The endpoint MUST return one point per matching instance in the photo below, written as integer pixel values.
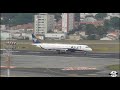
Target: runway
(50, 64)
(75, 54)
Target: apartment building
(67, 22)
(43, 22)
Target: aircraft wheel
(85, 53)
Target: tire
(85, 53)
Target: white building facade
(110, 15)
(59, 36)
(43, 22)
(2, 27)
(113, 14)
(67, 22)
(83, 15)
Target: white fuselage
(63, 47)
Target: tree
(90, 29)
(17, 18)
(82, 27)
(101, 31)
(8, 15)
(23, 18)
(100, 16)
(91, 32)
(71, 32)
(91, 37)
(77, 17)
(115, 22)
(107, 25)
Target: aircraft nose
(90, 49)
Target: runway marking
(33, 52)
(12, 51)
(73, 75)
(14, 76)
(79, 68)
(92, 74)
(15, 51)
(7, 67)
(18, 55)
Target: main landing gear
(85, 53)
(61, 52)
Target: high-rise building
(67, 22)
(43, 22)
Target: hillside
(22, 18)
(17, 18)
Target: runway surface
(50, 64)
(75, 54)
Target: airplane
(60, 48)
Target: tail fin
(34, 39)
